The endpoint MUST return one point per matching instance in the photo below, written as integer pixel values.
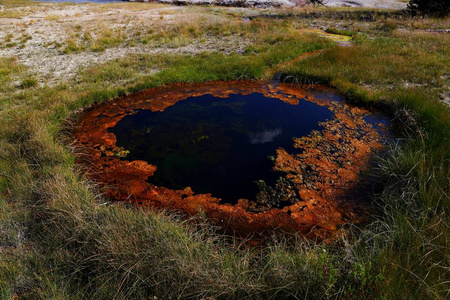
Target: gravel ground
(392, 4)
(51, 24)
(46, 28)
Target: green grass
(28, 82)
(9, 69)
(60, 239)
(339, 31)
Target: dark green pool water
(216, 145)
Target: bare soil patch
(40, 37)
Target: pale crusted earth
(394, 4)
(38, 34)
(49, 26)
(391, 4)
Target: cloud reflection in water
(264, 136)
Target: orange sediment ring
(334, 158)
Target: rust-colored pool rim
(327, 166)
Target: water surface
(217, 145)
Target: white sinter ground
(394, 4)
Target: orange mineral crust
(325, 168)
